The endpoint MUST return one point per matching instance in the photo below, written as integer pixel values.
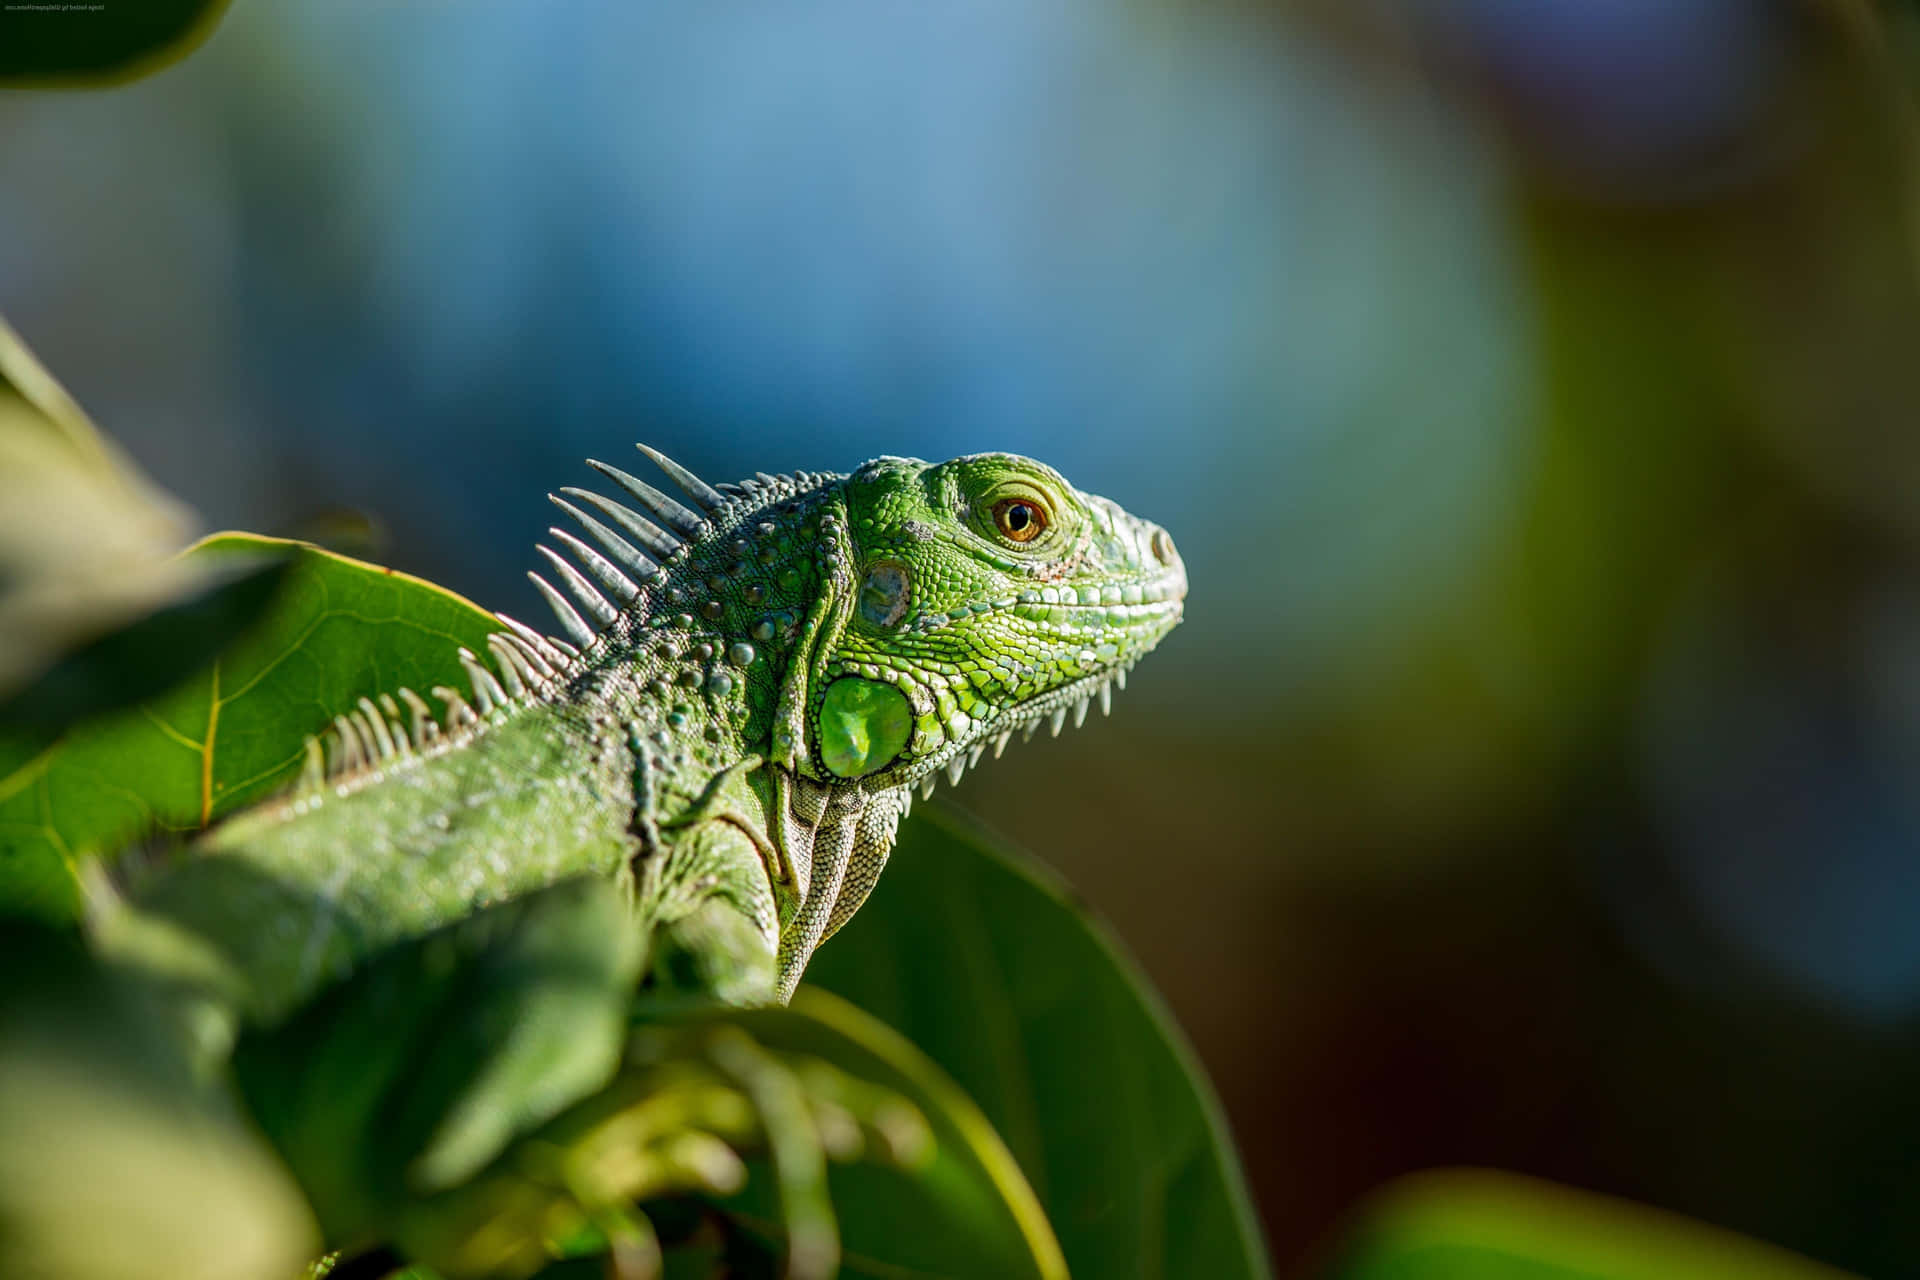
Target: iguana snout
(993, 596)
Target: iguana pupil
(1018, 519)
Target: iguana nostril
(1163, 548)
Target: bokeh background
(1530, 387)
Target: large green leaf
(1500, 1226)
(984, 962)
(97, 608)
(146, 658)
(968, 1212)
(338, 630)
(117, 1161)
(56, 44)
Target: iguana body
(732, 726)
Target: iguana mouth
(1151, 604)
(1053, 707)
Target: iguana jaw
(1051, 707)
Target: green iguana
(750, 686)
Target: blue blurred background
(1529, 387)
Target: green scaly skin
(734, 736)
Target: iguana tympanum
(750, 685)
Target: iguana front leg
(737, 914)
(714, 930)
(706, 888)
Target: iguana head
(989, 595)
(898, 620)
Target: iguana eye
(1019, 519)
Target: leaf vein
(192, 744)
(206, 752)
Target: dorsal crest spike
(486, 689)
(313, 773)
(511, 675)
(374, 734)
(686, 523)
(654, 540)
(570, 622)
(369, 748)
(705, 495)
(375, 727)
(622, 552)
(545, 646)
(459, 713)
(346, 745)
(530, 656)
(424, 727)
(583, 591)
(624, 588)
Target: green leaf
(144, 659)
(78, 43)
(415, 1072)
(117, 1161)
(1500, 1226)
(338, 630)
(983, 961)
(967, 1212)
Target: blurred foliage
(145, 659)
(85, 542)
(118, 1162)
(82, 42)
